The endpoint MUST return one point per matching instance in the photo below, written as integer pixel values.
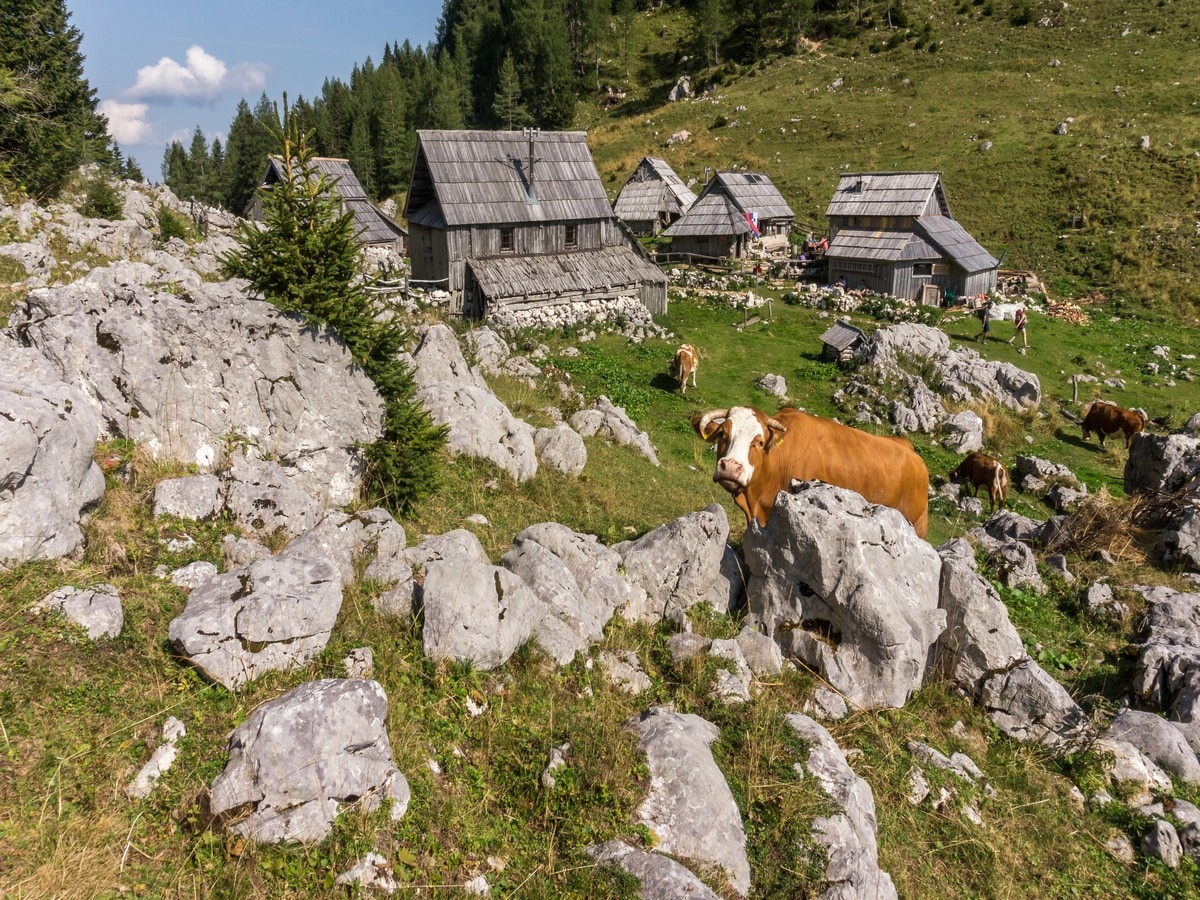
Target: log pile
(1067, 312)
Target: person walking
(985, 316)
(1020, 320)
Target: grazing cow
(1106, 418)
(980, 470)
(686, 361)
(759, 455)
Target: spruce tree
(48, 119)
(305, 261)
(508, 106)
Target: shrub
(172, 225)
(102, 199)
(306, 261)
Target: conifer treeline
(494, 64)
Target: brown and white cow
(1107, 418)
(759, 455)
(685, 363)
(979, 470)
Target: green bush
(172, 225)
(102, 199)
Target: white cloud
(127, 122)
(202, 80)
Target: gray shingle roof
(555, 274)
(957, 243)
(888, 194)
(842, 335)
(372, 226)
(642, 201)
(713, 214)
(683, 194)
(482, 178)
(886, 245)
(752, 192)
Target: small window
(922, 268)
(506, 240)
(571, 241)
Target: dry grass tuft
(1128, 529)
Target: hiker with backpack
(985, 316)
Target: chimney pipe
(531, 133)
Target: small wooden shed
(375, 229)
(841, 341)
(893, 233)
(520, 218)
(653, 197)
(733, 211)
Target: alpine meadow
(313, 586)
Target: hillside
(475, 742)
(964, 91)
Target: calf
(685, 363)
(980, 470)
(1106, 418)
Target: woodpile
(1067, 312)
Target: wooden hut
(841, 341)
(374, 228)
(893, 233)
(735, 210)
(653, 197)
(512, 218)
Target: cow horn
(707, 419)
(775, 425)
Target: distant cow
(1106, 418)
(685, 363)
(759, 455)
(979, 470)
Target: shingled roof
(484, 178)
(371, 224)
(889, 194)
(713, 214)
(752, 192)
(556, 274)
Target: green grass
(905, 109)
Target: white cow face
(741, 437)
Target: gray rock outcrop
(553, 560)
(1028, 705)
(848, 836)
(180, 374)
(481, 426)
(680, 564)
(298, 759)
(1159, 740)
(261, 497)
(849, 589)
(561, 448)
(476, 612)
(196, 497)
(690, 808)
(1167, 672)
(97, 610)
(613, 423)
(273, 615)
(48, 479)
(979, 639)
(661, 878)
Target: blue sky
(162, 67)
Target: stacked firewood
(1067, 312)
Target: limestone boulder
(480, 425)
(195, 497)
(614, 424)
(300, 759)
(476, 612)
(680, 564)
(48, 479)
(97, 610)
(847, 588)
(181, 374)
(689, 808)
(272, 615)
(1028, 705)
(660, 877)
(848, 835)
(979, 638)
(1159, 740)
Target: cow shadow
(665, 382)
(1075, 439)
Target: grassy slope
(76, 720)
(905, 109)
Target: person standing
(985, 316)
(1020, 321)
